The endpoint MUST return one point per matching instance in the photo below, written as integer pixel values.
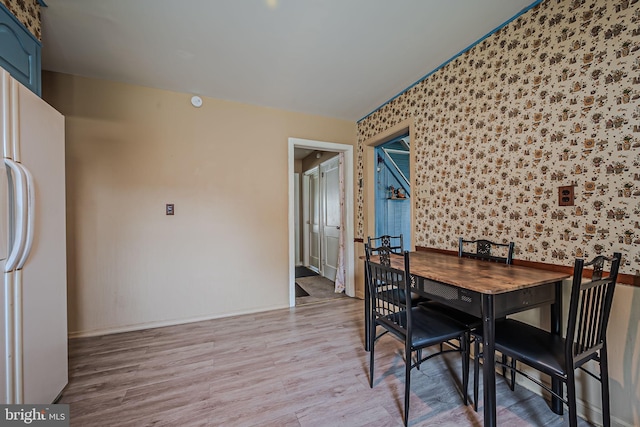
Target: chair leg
(367, 310)
(476, 372)
(604, 379)
(571, 398)
(513, 374)
(367, 328)
(372, 339)
(504, 370)
(407, 384)
(418, 358)
(465, 343)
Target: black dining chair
(381, 248)
(416, 327)
(485, 250)
(586, 335)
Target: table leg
(556, 328)
(489, 369)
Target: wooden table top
(476, 275)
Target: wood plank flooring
(295, 367)
(320, 289)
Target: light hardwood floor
(320, 289)
(295, 367)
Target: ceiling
(336, 58)
(301, 153)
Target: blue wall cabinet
(19, 51)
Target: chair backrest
(395, 243)
(486, 250)
(590, 307)
(380, 253)
(389, 293)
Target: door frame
(349, 246)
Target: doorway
(370, 158)
(348, 256)
(393, 189)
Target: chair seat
(466, 319)
(430, 327)
(533, 346)
(398, 294)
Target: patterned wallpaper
(27, 12)
(551, 99)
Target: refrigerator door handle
(9, 342)
(20, 196)
(30, 210)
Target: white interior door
(313, 177)
(330, 220)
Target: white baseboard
(162, 323)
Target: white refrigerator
(33, 325)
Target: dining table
(489, 291)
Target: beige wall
(131, 150)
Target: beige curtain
(341, 274)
